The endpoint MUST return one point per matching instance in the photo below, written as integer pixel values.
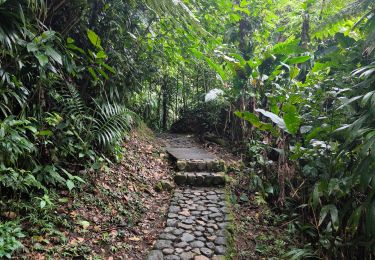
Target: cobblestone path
(198, 217)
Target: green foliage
(10, 234)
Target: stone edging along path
(198, 218)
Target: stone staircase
(198, 217)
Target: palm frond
(354, 9)
(111, 123)
(74, 106)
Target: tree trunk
(165, 104)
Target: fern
(111, 123)
(74, 106)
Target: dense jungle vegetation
(290, 83)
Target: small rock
(185, 213)
(213, 209)
(197, 244)
(168, 251)
(181, 245)
(161, 244)
(211, 238)
(201, 239)
(201, 257)
(178, 232)
(167, 236)
(179, 250)
(212, 197)
(188, 221)
(201, 223)
(169, 229)
(220, 250)
(210, 245)
(174, 209)
(187, 237)
(172, 215)
(223, 225)
(196, 251)
(214, 226)
(199, 228)
(155, 255)
(181, 165)
(187, 256)
(184, 226)
(171, 222)
(167, 185)
(201, 208)
(220, 241)
(172, 257)
(198, 233)
(206, 251)
(215, 215)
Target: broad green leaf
(274, 118)
(297, 60)
(291, 118)
(354, 219)
(332, 210)
(32, 47)
(94, 39)
(43, 59)
(93, 74)
(101, 55)
(70, 185)
(54, 54)
(45, 133)
(293, 72)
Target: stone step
(208, 165)
(200, 179)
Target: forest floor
(120, 211)
(117, 214)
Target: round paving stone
(155, 255)
(199, 228)
(206, 251)
(220, 241)
(201, 239)
(210, 245)
(161, 244)
(218, 257)
(196, 251)
(171, 222)
(167, 236)
(174, 209)
(213, 209)
(198, 233)
(211, 238)
(179, 250)
(220, 250)
(197, 244)
(187, 237)
(181, 245)
(168, 251)
(172, 257)
(187, 256)
(177, 232)
(172, 215)
(201, 257)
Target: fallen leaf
(135, 238)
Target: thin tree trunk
(165, 105)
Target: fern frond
(73, 103)
(111, 122)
